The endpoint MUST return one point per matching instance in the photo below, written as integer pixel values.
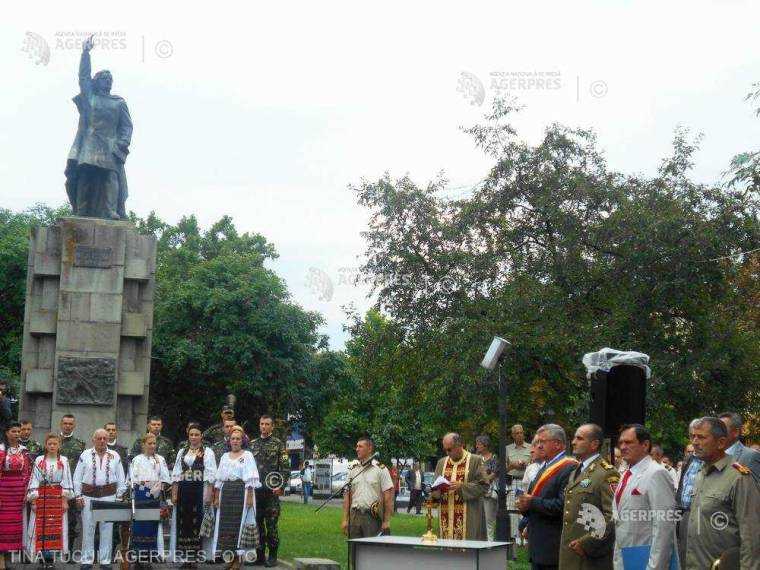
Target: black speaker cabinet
(618, 397)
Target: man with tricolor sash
(461, 512)
(542, 505)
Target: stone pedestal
(88, 324)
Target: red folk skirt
(12, 494)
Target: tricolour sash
(550, 472)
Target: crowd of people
(217, 493)
(574, 509)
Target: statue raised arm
(96, 181)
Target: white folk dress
(151, 472)
(241, 469)
(184, 461)
(48, 472)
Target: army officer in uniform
(588, 536)
(724, 517)
(368, 503)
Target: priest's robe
(461, 513)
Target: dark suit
(415, 496)
(122, 451)
(544, 517)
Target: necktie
(621, 487)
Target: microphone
(371, 457)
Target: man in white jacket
(644, 502)
(98, 475)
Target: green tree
(381, 397)
(15, 231)
(224, 322)
(562, 255)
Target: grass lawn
(304, 533)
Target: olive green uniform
(164, 448)
(271, 461)
(588, 498)
(72, 448)
(725, 515)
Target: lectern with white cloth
(409, 553)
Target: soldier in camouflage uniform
(216, 432)
(271, 460)
(33, 447)
(71, 448)
(164, 446)
(223, 445)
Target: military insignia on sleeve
(585, 483)
(740, 468)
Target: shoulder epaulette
(741, 468)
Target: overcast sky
(268, 112)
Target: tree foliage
(223, 322)
(562, 255)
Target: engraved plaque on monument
(89, 256)
(86, 381)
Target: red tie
(621, 487)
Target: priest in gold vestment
(460, 510)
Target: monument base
(88, 325)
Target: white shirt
(151, 469)
(530, 473)
(93, 469)
(588, 461)
(368, 485)
(185, 460)
(51, 472)
(241, 469)
(417, 481)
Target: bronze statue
(95, 178)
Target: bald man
(99, 475)
(461, 513)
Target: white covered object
(606, 358)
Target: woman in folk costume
(236, 479)
(148, 475)
(15, 470)
(460, 510)
(192, 493)
(50, 490)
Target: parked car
(294, 483)
(338, 480)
